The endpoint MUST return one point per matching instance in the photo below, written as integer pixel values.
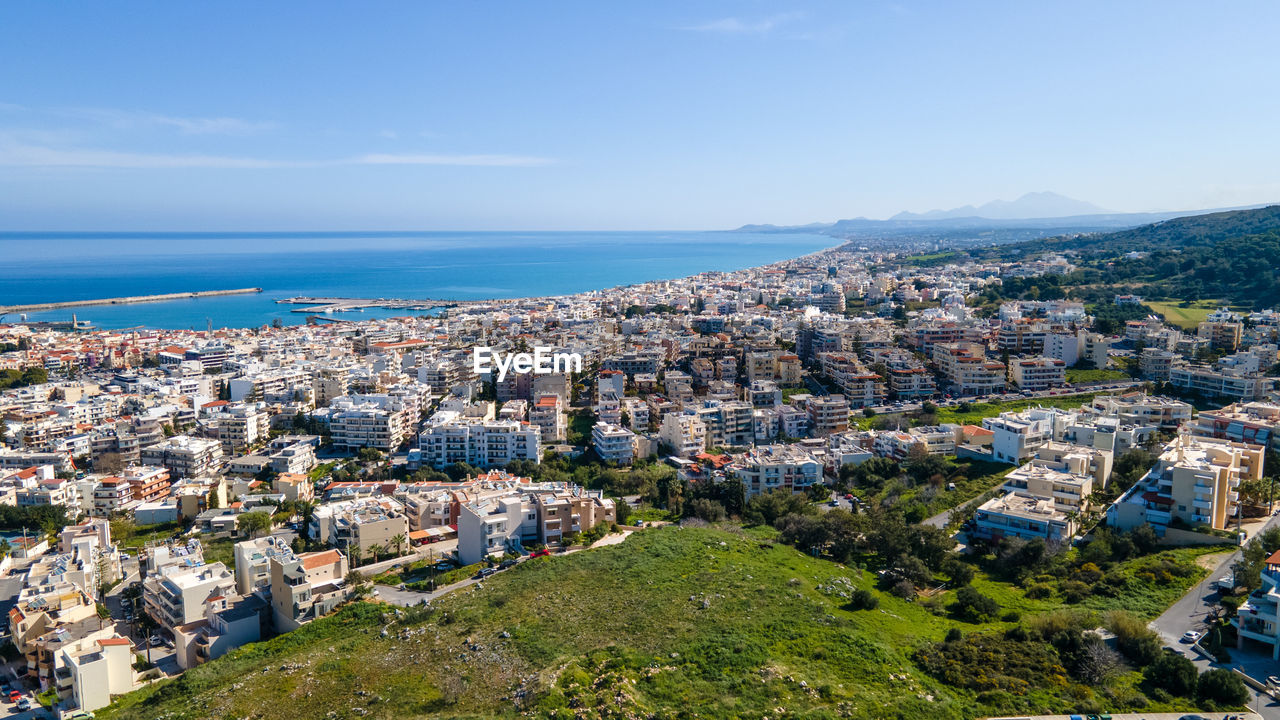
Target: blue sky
(604, 115)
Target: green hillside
(674, 622)
(1231, 257)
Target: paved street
(1190, 613)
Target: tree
(369, 455)
(973, 606)
(254, 523)
(376, 550)
(398, 541)
(1222, 687)
(109, 463)
(1172, 673)
(768, 508)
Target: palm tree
(376, 550)
(398, 541)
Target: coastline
(402, 279)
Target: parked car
(14, 696)
(484, 573)
(507, 564)
(1190, 636)
(540, 553)
(154, 640)
(24, 704)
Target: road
(1190, 612)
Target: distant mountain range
(1043, 212)
(1032, 205)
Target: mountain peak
(1044, 204)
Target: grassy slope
(672, 623)
(1187, 318)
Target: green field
(1186, 318)
(723, 622)
(979, 410)
(1083, 376)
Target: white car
(1190, 636)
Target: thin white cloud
(135, 119)
(740, 26)
(467, 160)
(16, 153)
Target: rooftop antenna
(209, 322)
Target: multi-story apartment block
(613, 444)
(356, 526)
(1220, 381)
(1257, 423)
(367, 421)
(242, 428)
(911, 382)
(493, 443)
(535, 514)
(1143, 409)
(176, 594)
(1025, 516)
(1258, 618)
(933, 440)
(547, 414)
(828, 414)
(776, 467)
(1194, 482)
(966, 369)
(1039, 373)
(685, 434)
(184, 456)
(306, 587)
(1224, 335)
(728, 424)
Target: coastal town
(168, 496)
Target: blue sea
(55, 267)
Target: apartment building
(367, 421)
(253, 562)
(243, 428)
(685, 434)
(1020, 515)
(547, 414)
(306, 587)
(1194, 482)
(911, 382)
(933, 440)
(1220, 381)
(1142, 409)
(1040, 373)
(776, 467)
(728, 424)
(176, 594)
(536, 514)
(1022, 337)
(1223, 335)
(483, 444)
(967, 371)
(356, 526)
(184, 456)
(228, 623)
(1017, 435)
(613, 444)
(1066, 492)
(828, 414)
(90, 672)
(1257, 423)
(1258, 618)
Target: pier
(37, 307)
(315, 305)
